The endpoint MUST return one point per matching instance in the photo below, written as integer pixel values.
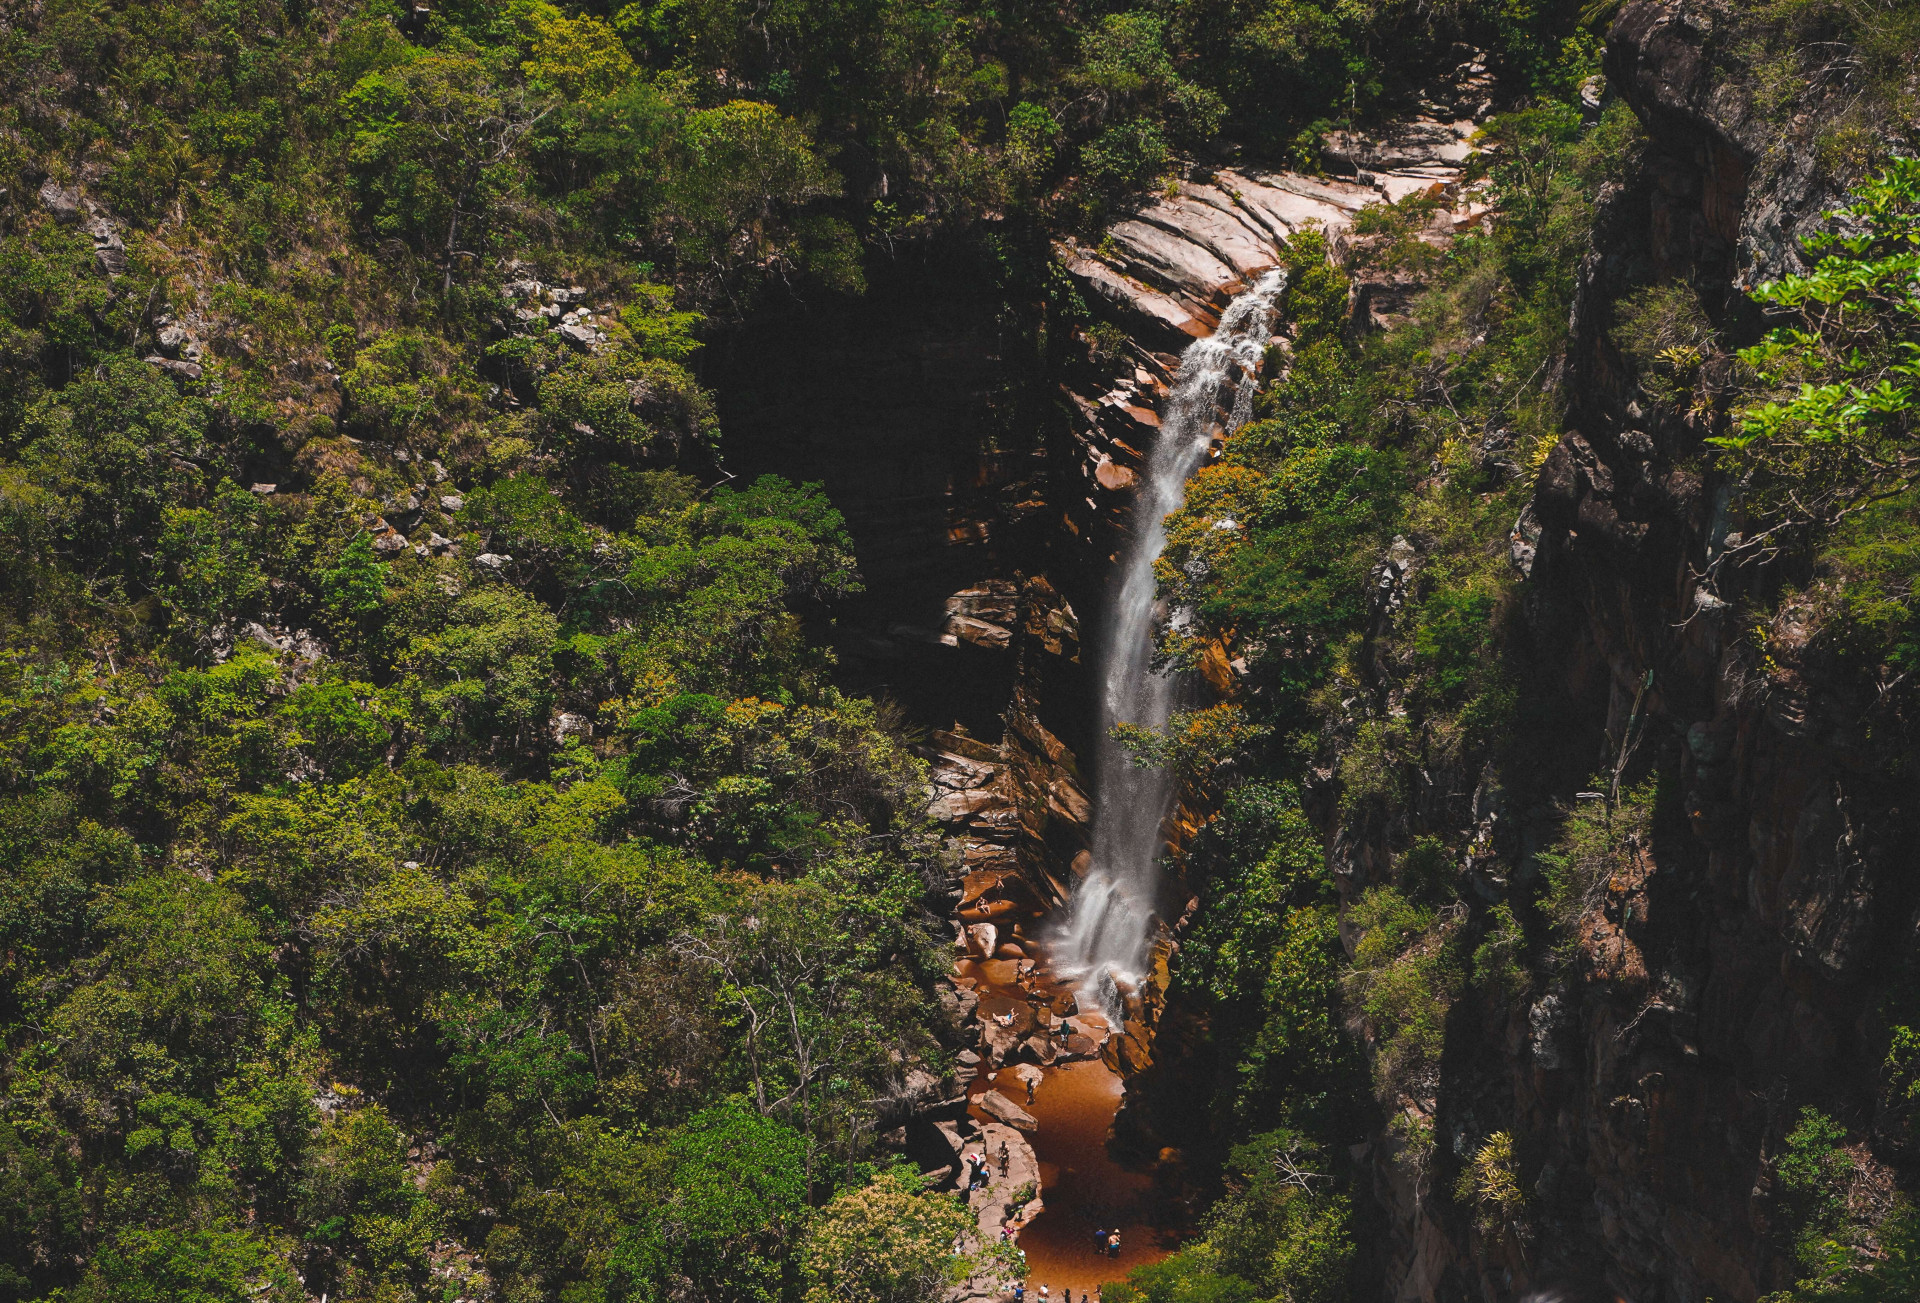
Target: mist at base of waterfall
(1104, 944)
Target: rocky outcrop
(1009, 1200)
(563, 308)
(72, 207)
(1165, 270)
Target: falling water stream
(1104, 945)
(1101, 951)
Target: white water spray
(1109, 929)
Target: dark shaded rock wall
(1737, 971)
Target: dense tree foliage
(436, 855)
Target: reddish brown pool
(1083, 1188)
(1086, 1190)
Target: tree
(210, 558)
(735, 207)
(484, 669)
(435, 145)
(1131, 91)
(102, 460)
(814, 1020)
(889, 1242)
(728, 1195)
(1830, 423)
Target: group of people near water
(1105, 1243)
(1040, 1294)
(979, 1170)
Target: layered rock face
(1163, 273)
(986, 520)
(1734, 971)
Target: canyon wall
(1736, 971)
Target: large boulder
(1003, 1110)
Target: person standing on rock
(1005, 1159)
(1019, 1291)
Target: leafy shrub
(210, 557)
(1406, 973)
(1596, 842)
(890, 1242)
(1282, 1231)
(1128, 155)
(1813, 1170)
(1827, 428)
(1665, 333)
(728, 1199)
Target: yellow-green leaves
(734, 205)
(1829, 422)
(890, 1241)
(580, 58)
(1490, 1185)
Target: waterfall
(1108, 933)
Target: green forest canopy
(435, 849)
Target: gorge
(1708, 206)
(936, 651)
